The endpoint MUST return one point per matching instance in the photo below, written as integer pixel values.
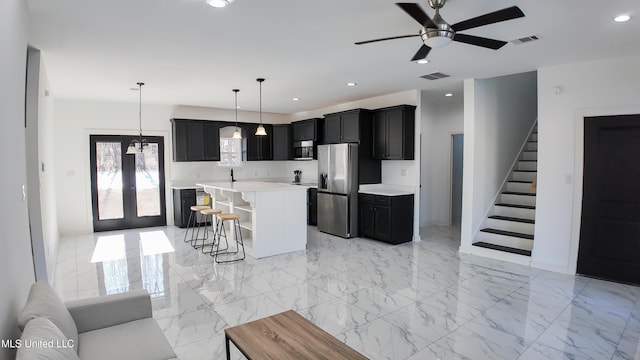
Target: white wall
(606, 87)
(498, 115)
(440, 120)
(16, 263)
(48, 198)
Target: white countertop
(250, 186)
(386, 189)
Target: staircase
(511, 223)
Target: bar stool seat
(222, 233)
(193, 215)
(207, 214)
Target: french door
(127, 190)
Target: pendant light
(260, 131)
(139, 145)
(237, 134)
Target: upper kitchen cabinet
(394, 133)
(282, 142)
(305, 130)
(195, 140)
(346, 126)
(259, 147)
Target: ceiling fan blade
(479, 41)
(510, 13)
(416, 12)
(422, 53)
(384, 39)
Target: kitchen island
(273, 216)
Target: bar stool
(235, 219)
(195, 209)
(207, 215)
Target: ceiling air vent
(435, 76)
(525, 39)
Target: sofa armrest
(105, 311)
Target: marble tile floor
(412, 301)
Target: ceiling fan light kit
(436, 32)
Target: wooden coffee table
(287, 335)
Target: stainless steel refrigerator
(338, 189)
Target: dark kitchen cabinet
(305, 130)
(312, 206)
(346, 126)
(386, 218)
(211, 141)
(259, 147)
(282, 142)
(195, 140)
(183, 200)
(394, 133)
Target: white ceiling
(189, 53)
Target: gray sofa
(117, 326)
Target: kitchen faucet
(232, 179)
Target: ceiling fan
(437, 33)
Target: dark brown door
(610, 230)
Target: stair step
(514, 211)
(517, 206)
(519, 186)
(508, 233)
(509, 218)
(518, 193)
(527, 165)
(502, 248)
(523, 175)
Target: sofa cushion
(140, 339)
(41, 339)
(44, 302)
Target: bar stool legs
(193, 221)
(208, 217)
(221, 232)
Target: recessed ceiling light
(296, 99)
(423, 61)
(351, 84)
(622, 18)
(219, 3)
(448, 94)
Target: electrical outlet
(197, 175)
(403, 172)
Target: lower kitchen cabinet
(386, 218)
(183, 200)
(312, 206)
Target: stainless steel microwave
(303, 150)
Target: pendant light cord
(236, 91)
(140, 110)
(260, 80)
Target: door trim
(451, 135)
(578, 174)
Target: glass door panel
(148, 182)
(109, 169)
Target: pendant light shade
(260, 131)
(139, 145)
(237, 134)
